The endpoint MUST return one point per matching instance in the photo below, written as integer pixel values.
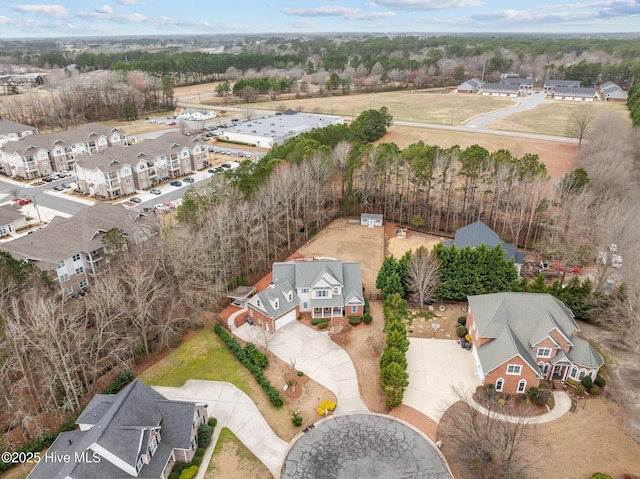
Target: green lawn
(204, 356)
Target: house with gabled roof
(135, 433)
(321, 288)
(40, 155)
(609, 91)
(521, 339)
(470, 86)
(478, 233)
(71, 250)
(13, 131)
(574, 93)
(500, 89)
(550, 84)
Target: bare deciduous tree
(580, 122)
(423, 274)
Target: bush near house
(394, 378)
(232, 343)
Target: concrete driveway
(318, 357)
(235, 410)
(437, 369)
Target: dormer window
(276, 304)
(258, 303)
(290, 296)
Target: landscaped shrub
(594, 390)
(189, 473)
(233, 344)
(502, 402)
(256, 356)
(326, 406)
(316, 321)
(300, 373)
(600, 475)
(367, 318)
(600, 382)
(586, 381)
(196, 461)
(323, 325)
(177, 470)
(355, 320)
(213, 422)
(462, 320)
(579, 389)
(461, 331)
(296, 419)
(204, 435)
(533, 393)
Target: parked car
(249, 320)
(172, 123)
(212, 171)
(66, 186)
(211, 149)
(155, 191)
(64, 174)
(135, 199)
(24, 201)
(47, 179)
(162, 208)
(58, 188)
(176, 183)
(228, 152)
(170, 205)
(188, 179)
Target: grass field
(204, 356)
(233, 460)
(553, 118)
(410, 105)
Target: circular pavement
(363, 446)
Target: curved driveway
(318, 357)
(236, 411)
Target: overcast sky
(154, 17)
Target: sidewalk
(236, 411)
(563, 405)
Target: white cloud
(130, 2)
(105, 9)
(530, 17)
(4, 20)
(130, 18)
(52, 11)
(428, 4)
(345, 12)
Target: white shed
(370, 219)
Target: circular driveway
(363, 446)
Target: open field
(553, 118)
(407, 105)
(233, 460)
(558, 157)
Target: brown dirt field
(350, 243)
(559, 158)
(234, 461)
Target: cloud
(619, 8)
(104, 9)
(103, 12)
(51, 11)
(345, 12)
(130, 2)
(428, 4)
(4, 20)
(531, 17)
(130, 18)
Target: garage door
(286, 319)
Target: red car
(23, 201)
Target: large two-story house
(71, 250)
(135, 433)
(40, 155)
(324, 289)
(520, 339)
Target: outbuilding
(371, 219)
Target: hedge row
(256, 371)
(394, 378)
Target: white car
(162, 208)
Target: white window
(574, 372)
(336, 291)
(290, 296)
(83, 283)
(143, 175)
(276, 304)
(322, 293)
(522, 386)
(69, 290)
(64, 277)
(61, 263)
(544, 352)
(583, 373)
(304, 290)
(127, 181)
(125, 171)
(514, 369)
(79, 270)
(76, 257)
(354, 309)
(153, 446)
(499, 384)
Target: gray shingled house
(324, 289)
(135, 433)
(478, 233)
(520, 339)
